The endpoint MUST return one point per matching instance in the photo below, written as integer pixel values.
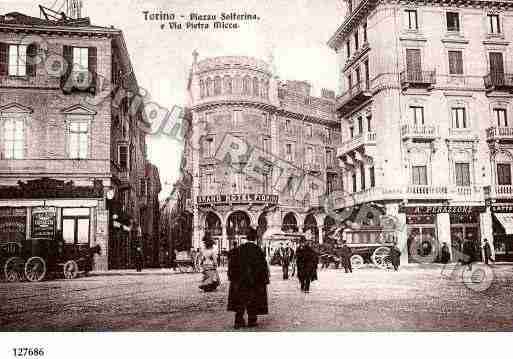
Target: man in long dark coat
(286, 253)
(307, 260)
(395, 257)
(249, 276)
(468, 253)
(487, 251)
(346, 253)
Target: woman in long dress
(208, 262)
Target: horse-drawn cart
(36, 259)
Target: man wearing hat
(307, 260)
(249, 276)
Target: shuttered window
(501, 117)
(462, 174)
(504, 174)
(459, 118)
(14, 138)
(419, 175)
(412, 19)
(17, 60)
(417, 115)
(123, 157)
(78, 139)
(455, 62)
(453, 21)
(494, 25)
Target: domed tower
(239, 116)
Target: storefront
(423, 244)
(502, 228)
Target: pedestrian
(138, 258)
(248, 274)
(395, 257)
(346, 254)
(445, 255)
(307, 260)
(208, 263)
(468, 253)
(487, 251)
(285, 254)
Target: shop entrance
(236, 229)
(423, 245)
(465, 226)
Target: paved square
(415, 298)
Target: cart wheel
(70, 269)
(35, 269)
(13, 269)
(379, 257)
(356, 261)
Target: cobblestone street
(416, 298)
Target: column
(485, 220)
(443, 231)
(392, 209)
(101, 236)
(224, 237)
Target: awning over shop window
(506, 219)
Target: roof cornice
(366, 6)
(60, 29)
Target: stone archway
(262, 226)
(289, 223)
(310, 225)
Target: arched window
(246, 85)
(289, 223)
(217, 86)
(209, 87)
(227, 85)
(255, 87)
(202, 89)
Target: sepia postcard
(177, 166)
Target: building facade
(72, 148)
(260, 151)
(425, 108)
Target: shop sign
(238, 198)
(43, 222)
(502, 207)
(441, 209)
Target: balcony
(409, 192)
(466, 194)
(498, 192)
(498, 82)
(499, 134)
(419, 132)
(361, 140)
(418, 79)
(353, 98)
(312, 167)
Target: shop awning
(506, 219)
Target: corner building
(425, 112)
(242, 98)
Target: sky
(295, 32)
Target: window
(372, 176)
(419, 175)
(504, 174)
(267, 120)
(80, 64)
(256, 90)
(78, 139)
(287, 125)
(494, 25)
(453, 21)
(246, 85)
(351, 132)
(356, 41)
(17, 60)
(208, 150)
(202, 89)
(217, 86)
(309, 132)
(267, 145)
(143, 187)
(412, 19)
(459, 118)
(501, 117)
(227, 86)
(369, 123)
(329, 158)
(354, 182)
(288, 151)
(349, 81)
(236, 119)
(417, 115)
(462, 174)
(456, 62)
(367, 74)
(14, 138)
(123, 157)
(75, 225)
(348, 49)
(309, 155)
(358, 75)
(360, 125)
(364, 32)
(362, 176)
